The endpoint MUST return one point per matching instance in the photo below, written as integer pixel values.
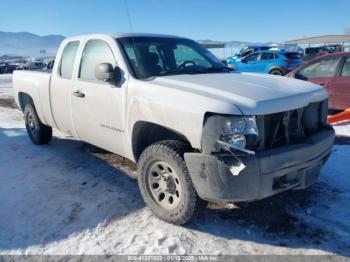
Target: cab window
(65, 70)
(95, 52)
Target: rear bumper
(266, 173)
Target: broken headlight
(241, 125)
(233, 130)
(236, 129)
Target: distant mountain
(208, 41)
(242, 43)
(234, 43)
(27, 44)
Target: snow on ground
(6, 93)
(69, 198)
(5, 85)
(342, 129)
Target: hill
(28, 44)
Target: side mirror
(243, 60)
(107, 73)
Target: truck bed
(36, 84)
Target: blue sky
(252, 20)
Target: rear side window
(322, 68)
(66, 67)
(346, 67)
(293, 56)
(95, 52)
(267, 56)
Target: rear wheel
(165, 183)
(276, 72)
(38, 132)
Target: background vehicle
(248, 50)
(35, 66)
(311, 52)
(3, 68)
(198, 132)
(332, 72)
(268, 62)
(6, 68)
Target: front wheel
(165, 183)
(38, 132)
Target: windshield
(160, 56)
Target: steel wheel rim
(164, 185)
(31, 124)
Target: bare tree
(347, 31)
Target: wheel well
(145, 134)
(276, 68)
(24, 99)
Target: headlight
(234, 127)
(236, 140)
(245, 125)
(234, 130)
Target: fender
(37, 89)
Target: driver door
(97, 106)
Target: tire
(39, 133)
(165, 183)
(276, 72)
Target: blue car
(268, 62)
(249, 50)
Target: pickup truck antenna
(130, 24)
(128, 12)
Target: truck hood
(252, 94)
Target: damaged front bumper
(266, 173)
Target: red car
(331, 71)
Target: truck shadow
(342, 140)
(50, 192)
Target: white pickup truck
(197, 131)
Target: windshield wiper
(182, 72)
(216, 69)
(190, 72)
(171, 72)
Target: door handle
(78, 93)
(322, 84)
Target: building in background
(343, 40)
